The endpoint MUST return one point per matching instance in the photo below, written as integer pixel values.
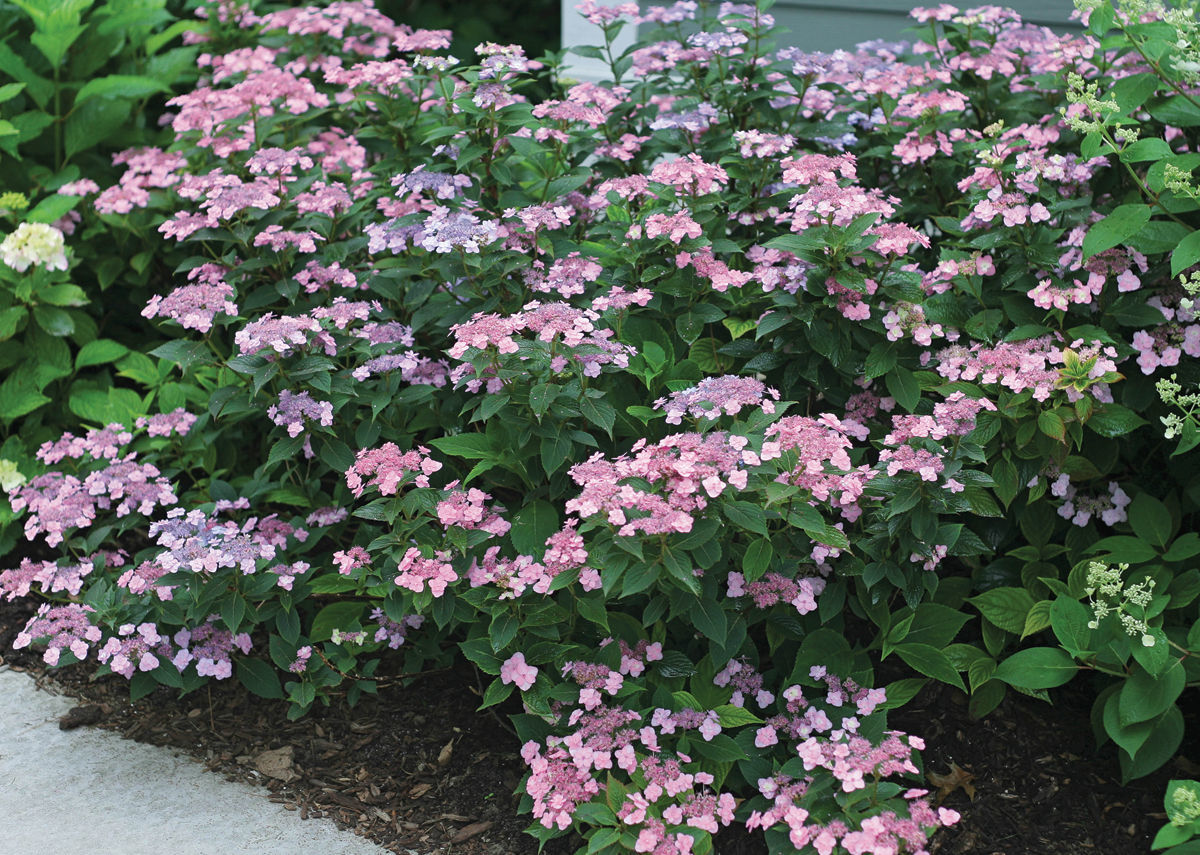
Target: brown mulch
(1041, 785)
(418, 769)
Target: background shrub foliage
(673, 403)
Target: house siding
(819, 24)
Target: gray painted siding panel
(818, 24)
(825, 24)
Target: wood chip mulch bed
(417, 770)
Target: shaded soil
(1041, 784)
(416, 769)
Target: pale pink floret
(516, 670)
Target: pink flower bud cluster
(683, 471)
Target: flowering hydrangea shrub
(630, 395)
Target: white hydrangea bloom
(32, 244)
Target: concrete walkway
(90, 792)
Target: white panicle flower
(34, 243)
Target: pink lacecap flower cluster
(1015, 365)
(690, 175)
(179, 421)
(316, 276)
(516, 670)
(134, 648)
(393, 632)
(98, 443)
(566, 277)
(954, 416)
(822, 465)
(634, 657)
(348, 560)
(51, 577)
(1163, 345)
(286, 574)
(568, 334)
(203, 544)
(1079, 508)
(467, 509)
(58, 502)
(388, 469)
(66, 627)
(682, 470)
(418, 572)
(774, 588)
(564, 553)
(283, 335)
(708, 267)
(294, 409)
(209, 647)
(909, 319)
(225, 118)
(145, 169)
(746, 682)
(143, 579)
(774, 268)
(716, 396)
